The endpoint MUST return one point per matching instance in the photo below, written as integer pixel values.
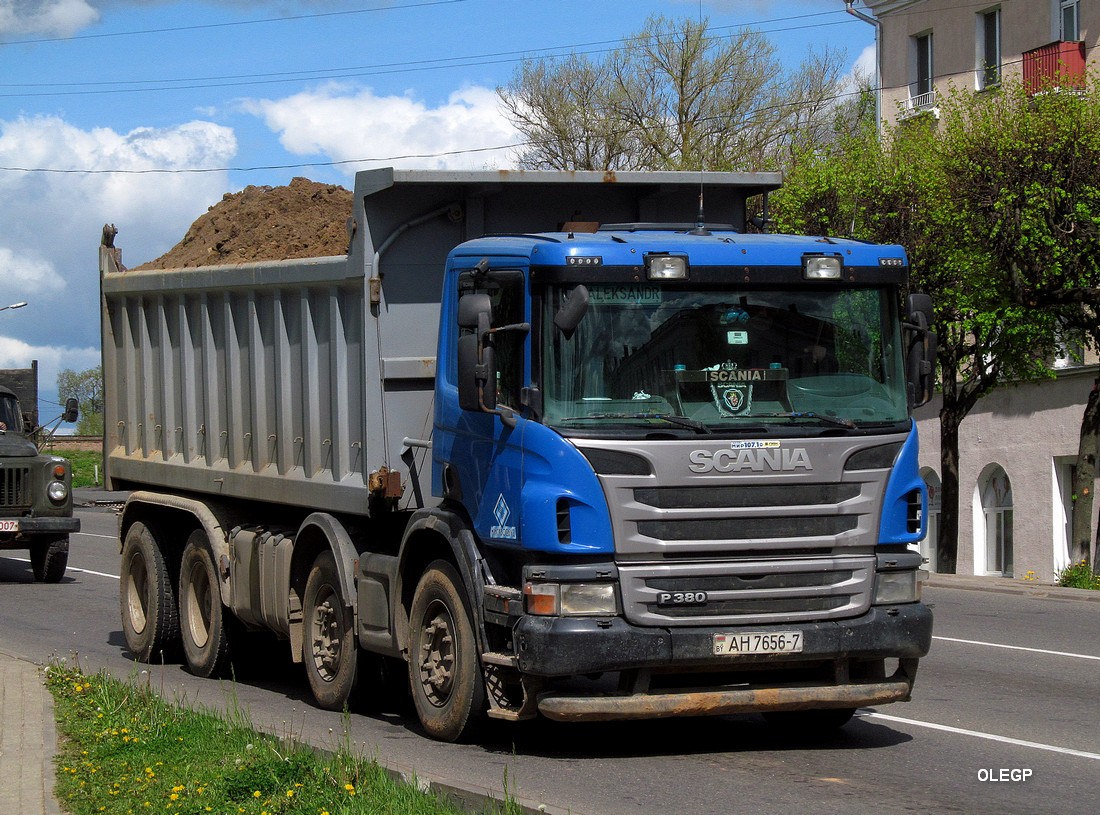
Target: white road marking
(1019, 648)
(93, 535)
(68, 568)
(988, 736)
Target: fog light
(898, 587)
(666, 267)
(821, 267)
(57, 491)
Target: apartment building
(1019, 445)
(927, 46)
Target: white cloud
(53, 220)
(348, 125)
(27, 272)
(61, 18)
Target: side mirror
(920, 358)
(72, 410)
(572, 311)
(477, 374)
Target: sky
(144, 113)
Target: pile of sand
(303, 219)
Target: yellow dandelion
(175, 796)
(290, 793)
(256, 794)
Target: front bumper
(564, 647)
(34, 527)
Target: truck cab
(36, 503)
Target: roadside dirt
(302, 219)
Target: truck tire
(444, 670)
(150, 617)
(328, 644)
(49, 559)
(203, 628)
(810, 722)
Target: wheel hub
(437, 654)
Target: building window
(989, 49)
(1070, 20)
(996, 514)
(923, 85)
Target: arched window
(996, 513)
(928, 546)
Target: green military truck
(36, 499)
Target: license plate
(8, 525)
(758, 642)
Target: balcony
(920, 104)
(1058, 65)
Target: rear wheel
(809, 722)
(444, 669)
(49, 559)
(202, 617)
(150, 618)
(328, 645)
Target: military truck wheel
(444, 669)
(810, 721)
(49, 559)
(202, 617)
(150, 617)
(328, 643)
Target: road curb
(1009, 585)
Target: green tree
(87, 388)
(1025, 173)
(673, 97)
(895, 189)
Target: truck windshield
(11, 420)
(725, 358)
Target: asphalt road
(1005, 717)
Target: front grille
(745, 495)
(739, 529)
(741, 592)
(15, 490)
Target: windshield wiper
(836, 421)
(682, 421)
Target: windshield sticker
(730, 399)
(737, 337)
(624, 295)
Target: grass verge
(85, 464)
(1078, 576)
(122, 750)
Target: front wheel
(328, 647)
(202, 616)
(444, 669)
(49, 559)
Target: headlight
(57, 492)
(570, 599)
(892, 588)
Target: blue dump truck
(539, 444)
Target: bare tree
(673, 97)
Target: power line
(379, 69)
(206, 26)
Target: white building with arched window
(1017, 450)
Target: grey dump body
(30, 518)
(292, 381)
